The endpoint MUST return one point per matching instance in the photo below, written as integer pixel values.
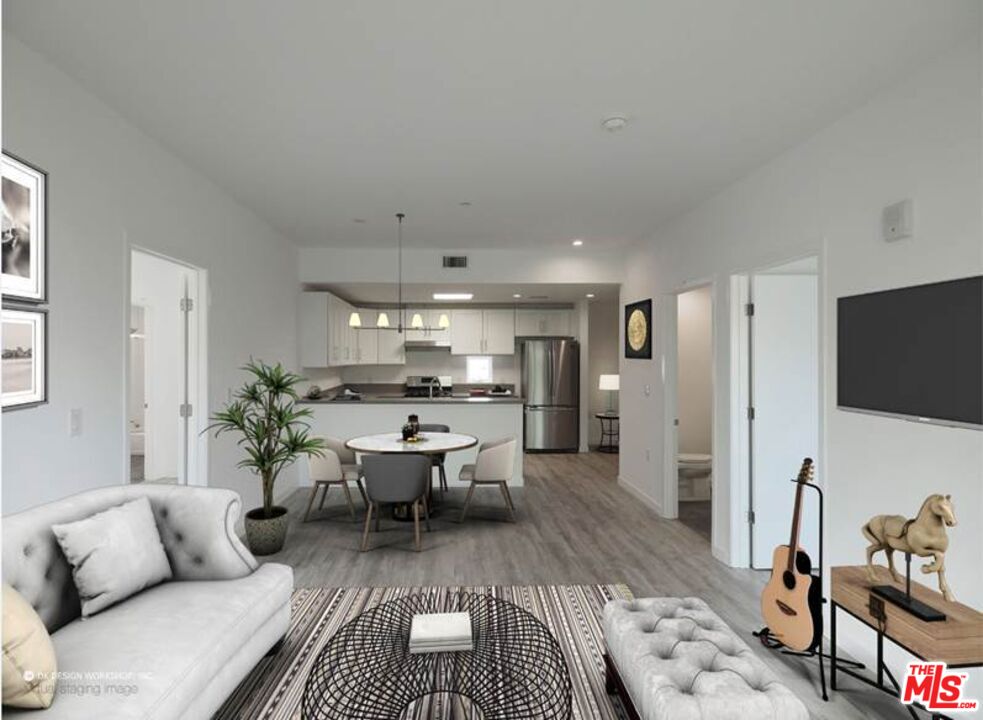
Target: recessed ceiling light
(577, 243)
(614, 123)
(516, 295)
(590, 295)
(452, 296)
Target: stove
(421, 386)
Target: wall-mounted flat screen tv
(915, 352)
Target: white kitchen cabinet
(499, 331)
(390, 346)
(375, 346)
(543, 323)
(482, 332)
(431, 331)
(467, 332)
(314, 344)
(339, 350)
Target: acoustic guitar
(791, 602)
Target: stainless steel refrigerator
(551, 388)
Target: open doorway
(694, 409)
(165, 364)
(784, 402)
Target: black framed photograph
(24, 189)
(24, 357)
(638, 330)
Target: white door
(499, 332)
(785, 398)
(168, 294)
(467, 334)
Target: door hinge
(750, 516)
(750, 413)
(186, 410)
(187, 304)
(749, 309)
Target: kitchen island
(487, 418)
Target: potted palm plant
(274, 434)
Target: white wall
(109, 186)
(920, 139)
(694, 373)
(325, 265)
(602, 359)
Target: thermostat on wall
(897, 221)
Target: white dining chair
(494, 466)
(336, 466)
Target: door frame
(669, 321)
(741, 373)
(197, 461)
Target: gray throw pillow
(114, 554)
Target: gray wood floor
(576, 526)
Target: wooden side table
(610, 432)
(956, 641)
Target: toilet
(694, 470)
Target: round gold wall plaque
(637, 330)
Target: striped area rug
(274, 689)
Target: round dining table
(427, 443)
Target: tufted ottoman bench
(674, 659)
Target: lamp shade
(382, 320)
(355, 320)
(416, 321)
(609, 382)
(444, 322)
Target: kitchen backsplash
(505, 370)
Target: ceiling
(318, 114)
(538, 294)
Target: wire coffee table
(515, 671)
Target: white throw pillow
(114, 554)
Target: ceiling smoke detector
(614, 123)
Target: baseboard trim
(640, 495)
(722, 555)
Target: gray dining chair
(438, 458)
(396, 479)
(335, 466)
(494, 466)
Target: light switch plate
(897, 221)
(75, 422)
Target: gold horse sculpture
(923, 536)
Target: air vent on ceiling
(455, 261)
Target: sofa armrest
(197, 526)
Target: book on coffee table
(440, 632)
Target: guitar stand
(772, 643)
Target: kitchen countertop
(368, 399)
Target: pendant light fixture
(382, 320)
(399, 271)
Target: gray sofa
(176, 650)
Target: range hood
(427, 345)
